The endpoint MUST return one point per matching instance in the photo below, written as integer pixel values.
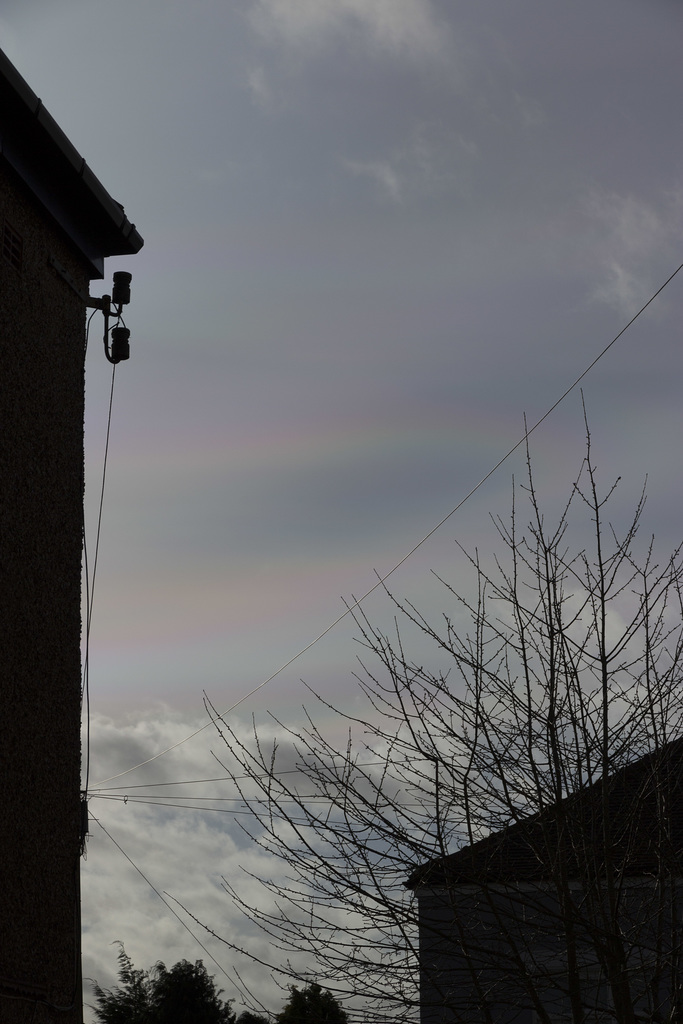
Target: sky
(378, 233)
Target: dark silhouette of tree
(311, 1005)
(185, 994)
(559, 667)
(129, 1003)
(247, 1017)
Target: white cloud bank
(184, 837)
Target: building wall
(467, 973)
(484, 949)
(41, 496)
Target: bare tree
(525, 787)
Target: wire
(232, 778)
(306, 799)
(90, 586)
(191, 782)
(85, 682)
(165, 902)
(200, 810)
(164, 801)
(161, 800)
(382, 579)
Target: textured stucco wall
(41, 488)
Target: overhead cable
(90, 582)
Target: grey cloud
(402, 26)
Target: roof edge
(115, 234)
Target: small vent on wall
(12, 246)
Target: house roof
(644, 833)
(34, 145)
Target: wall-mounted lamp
(112, 305)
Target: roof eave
(37, 149)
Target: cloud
(258, 86)
(168, 845)
(399, 26)
(529, 111)
(620, 288)
(434, 160)
(637, 242)
(379, 171)
(180, 837)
